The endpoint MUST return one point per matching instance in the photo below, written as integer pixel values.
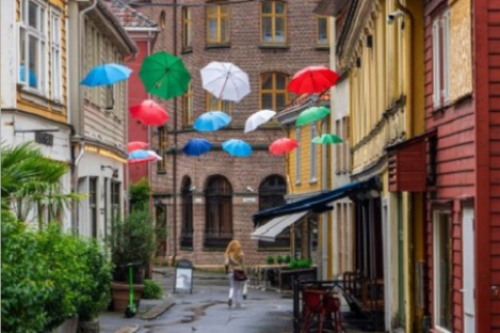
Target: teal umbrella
(164, 75)
(311, 115)
(327, 139)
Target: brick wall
(241, 172)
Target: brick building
(216, 193)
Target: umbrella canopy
(106, 74)
(311, 115)
(211, 121)
(136, 145)
(327, 139)
(141, 156)
(149, 113)
(164, 75)
(153, 153)
(257, 119)
(225, 80)
(197, 147)
(238, 148)
(283, 146)
(313, 80)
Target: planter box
(69, 326)
(303, 274)
(120, 292)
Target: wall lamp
(115, 170)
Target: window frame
(219, 17)
(440, 59)
(222, 105)
(40, 34)
(115, 199)
(273, 16)
(326, 43)
(187, 107)
(274, 91)
(215, 196)
(161, 165)
(273, 197)
(298, 136)
(438, 214)
(313, 159)
(56, 55)
(187, 29)
(187, 226)
(93, 205)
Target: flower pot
(69, 326)
(121, 292)
(89, 326)
(121, 274)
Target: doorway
(468, 256)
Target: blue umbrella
(238, 148)
(106, 74)
(139, 154)
(197, 147)
(211, 121)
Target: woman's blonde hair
(234, 249)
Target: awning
(276, 226)
(319, 203)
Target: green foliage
(270, 260)
(48, 277)
(279, 259)
(140, 195)
(132, 238)
(152, 290)
(301, 263)
(288, 259)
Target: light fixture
(192, 188)
(374, 193)
(250, 189)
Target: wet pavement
(206, 310)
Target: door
(469, 270)
(386, 240)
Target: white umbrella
(225, 81)
(257, 119)
(152, 152)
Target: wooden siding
(494, 137)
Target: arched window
(272, 192)
(218, 212)
(187, 214)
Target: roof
(129, 17)
(300, 103)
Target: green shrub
(270, 260)
(294, 263)
(279, 259)
(288, 259)
(152, 290)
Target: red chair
(312, 306)
(331, 307)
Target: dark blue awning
(319, 203)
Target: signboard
(184, 276)
(249, 200)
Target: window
(440, 59)
(110, 96)
(314, 156)
(272, 193)
(115, 200)
(323, 31)
(187, 107)
(161, 222)
(273, 92)
(217, 24)
(273, 22)
(161, 166)
(187, 214)
(93, 206)
(338, 148)
(342, 163)
(106, 206)
(215, 104)
(297, 156)
(55, 56)
(218, 212)
(442, 271)
(345, 138)
(186, 29)
(33, 39)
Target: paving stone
(158, 310)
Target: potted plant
(288, 259)
(132, 240)
(279, 259)
(270, 260)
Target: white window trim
(55, 46)
(445, 24)
(297, 156)
(436, 69)
(313, 172)
(41, 37)
(435, 257)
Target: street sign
(183, 276)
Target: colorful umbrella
(106, 74)
(141, 156)
(149, 113)
(283, 146)
(257, 119)
(313, 80)
(225, 81)
(238, 148)
(211, 121)
(327, 139)
(136, 145)
(311, 115)
(197, 147)
(164, 75)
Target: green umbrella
(164, 75)
(327, 139)
(311, 115)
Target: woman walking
(234, 267)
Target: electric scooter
(131, 309)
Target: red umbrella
(283, 146)
(136, 145)
(149, 113)
(313, 80)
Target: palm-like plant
(31, 180)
